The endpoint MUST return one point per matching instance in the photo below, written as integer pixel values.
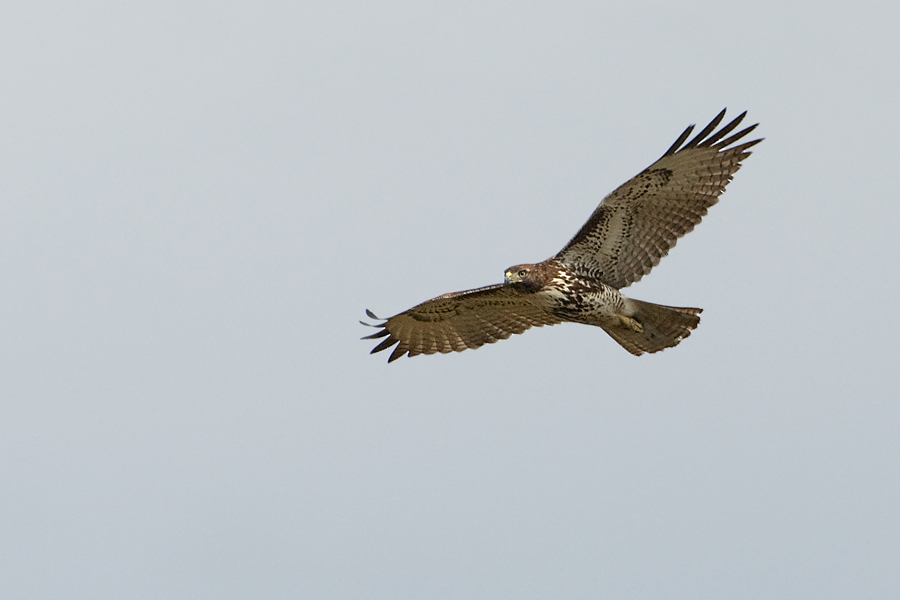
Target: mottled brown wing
(636, 225)
(462, 320)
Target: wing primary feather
(397, 353)
(372, 316)
(376, 335)
(742, 149)
(724, 131)
(679, 141)
(735, 137)
(706, 131)
(384, 345)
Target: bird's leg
(631, 323)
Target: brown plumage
(625, 237)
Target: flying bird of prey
(625, 237)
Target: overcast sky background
(198, 200)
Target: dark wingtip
(372, 316)
(705, 132)
(376, 335)
(718, 143)
(381, 333)
(684, 135)
(384, 345)
(709, 138)
(397, 353)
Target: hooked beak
(510, 277)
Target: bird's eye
(523, 272)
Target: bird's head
(517, 274)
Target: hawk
(625, 237)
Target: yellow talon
(631, 324)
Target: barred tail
(652, 327)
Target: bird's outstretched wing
(461, 320)
(637, 224)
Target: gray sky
(199, 200)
